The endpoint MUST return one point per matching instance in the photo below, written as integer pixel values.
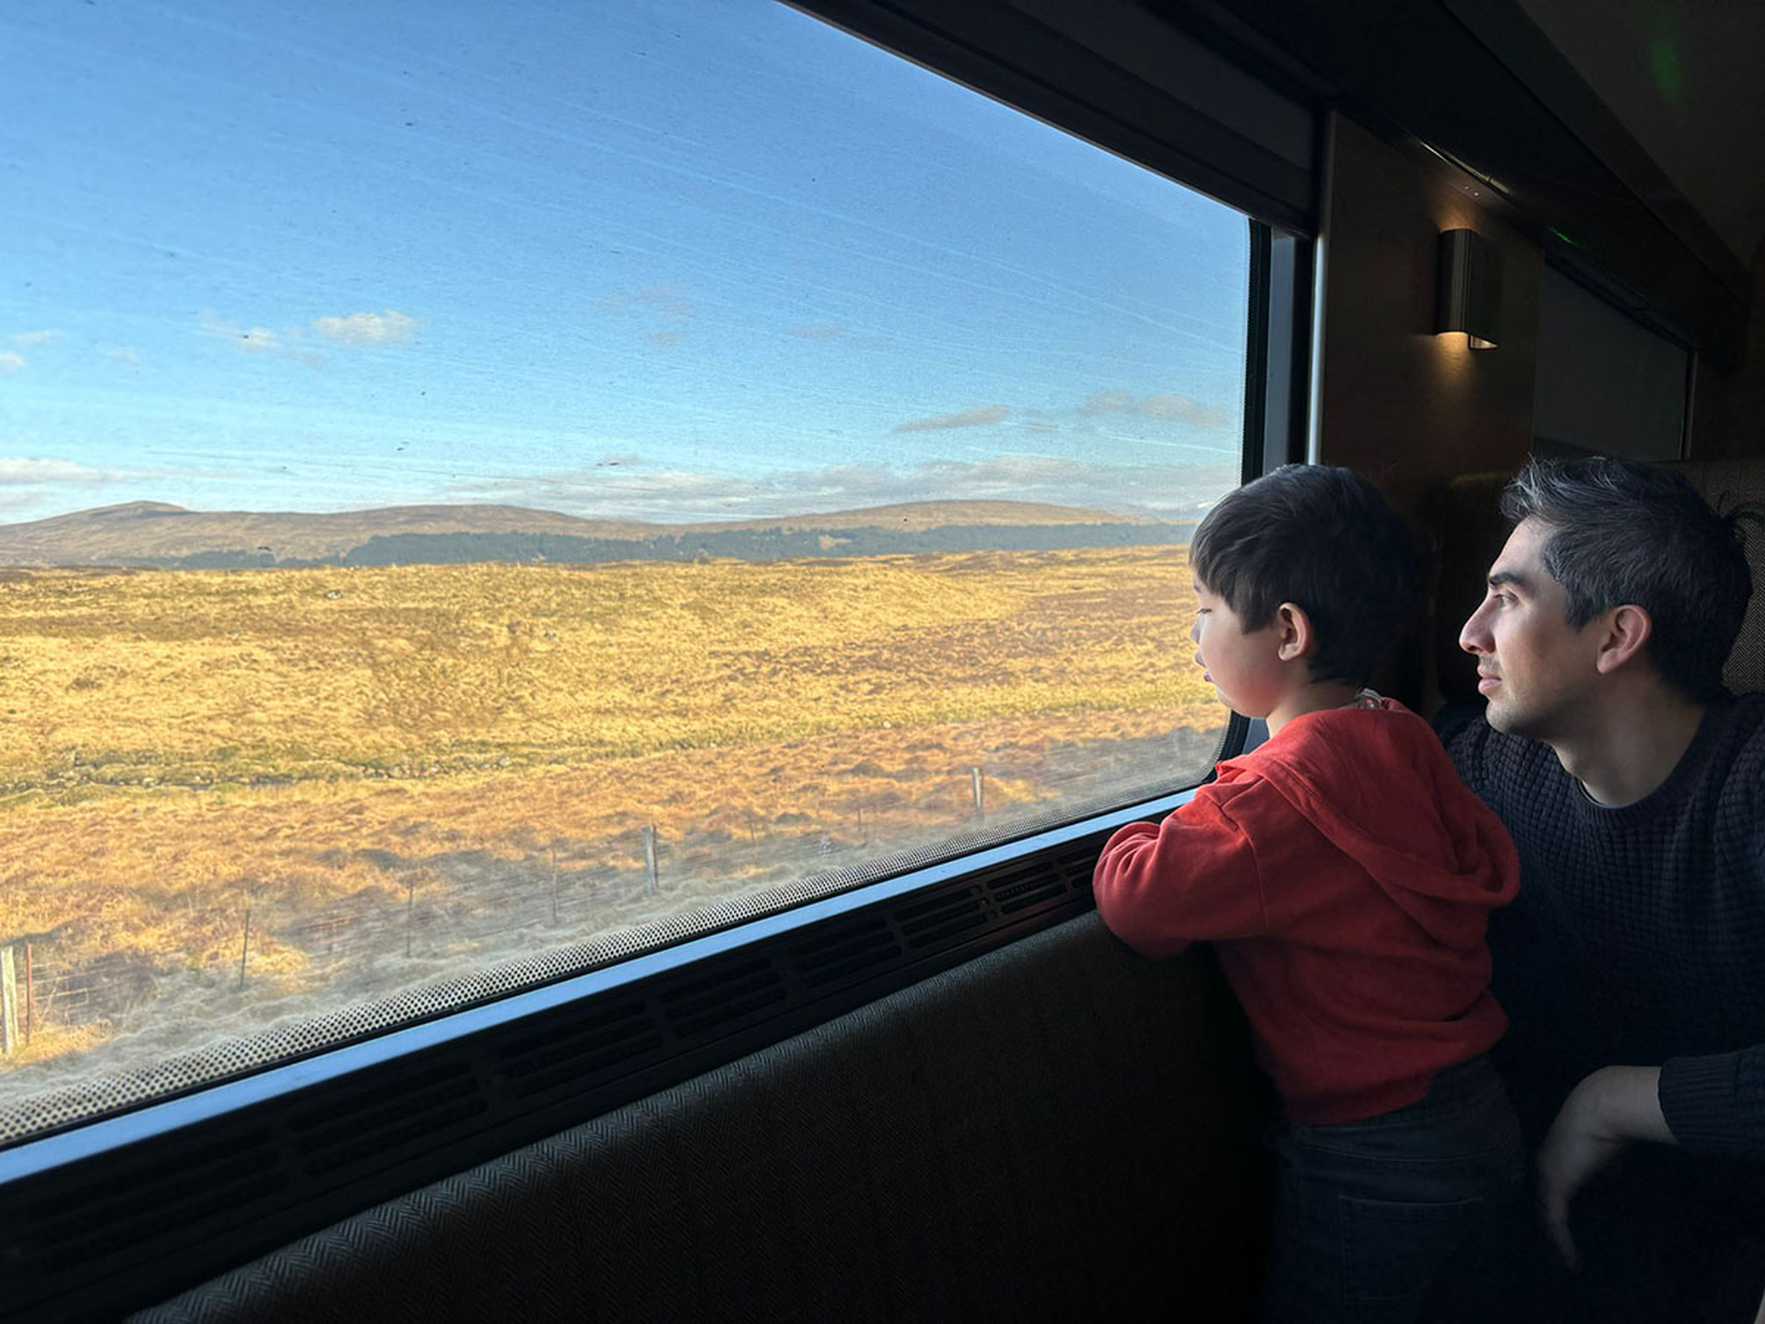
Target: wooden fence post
(8, 1003)
(30, 997)
(245, 945)
(980, 800)
(653, 885)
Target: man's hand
(1600, 1118)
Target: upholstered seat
(1056, 1130)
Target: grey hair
(1620, 533)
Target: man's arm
(1712, 1104)
(1708, 1105)
(1604, 1114)
(1192, 878)
(1715, 1104)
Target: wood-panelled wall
(1403, 406)
(1409, 409)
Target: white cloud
(15, 472)
(1162, 408)
(29, 338)
(122, 354)
(262, 340)
(968, 418)
(647, 492)
(387, 328)
(11, 363)
(1172, 407)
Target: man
(1632, 965)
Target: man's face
(1536, 671)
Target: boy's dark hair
(1324, 539)
(1622, 533)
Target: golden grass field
(488, 741)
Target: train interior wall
(1424, 415)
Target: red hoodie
(1347, 876)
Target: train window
(488, 495)
(1606, 382)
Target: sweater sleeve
(1716, 1104)
(1194, 877)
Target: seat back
(1723, 484)
(1058, 1129)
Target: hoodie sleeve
(1194, 877)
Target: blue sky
(661, 261)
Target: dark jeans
(1368, 1213)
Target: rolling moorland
(154, 535)
(232, 798)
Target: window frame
(119, 1212)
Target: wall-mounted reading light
(1469, 295)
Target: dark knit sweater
(1638, 938)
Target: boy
(1346, 875)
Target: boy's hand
(1601, 1117)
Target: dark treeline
(738, 545)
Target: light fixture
(1469, 295)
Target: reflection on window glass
(481, 479)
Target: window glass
(1606, 383)
(487, 483)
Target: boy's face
(1245, 668)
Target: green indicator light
(1669, 73)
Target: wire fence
(437, 912)
(447, 906)
(42, 989)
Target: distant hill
(151, 534)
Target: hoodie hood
(1377, 784)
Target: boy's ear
(1294, 635)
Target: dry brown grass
(177, 746)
